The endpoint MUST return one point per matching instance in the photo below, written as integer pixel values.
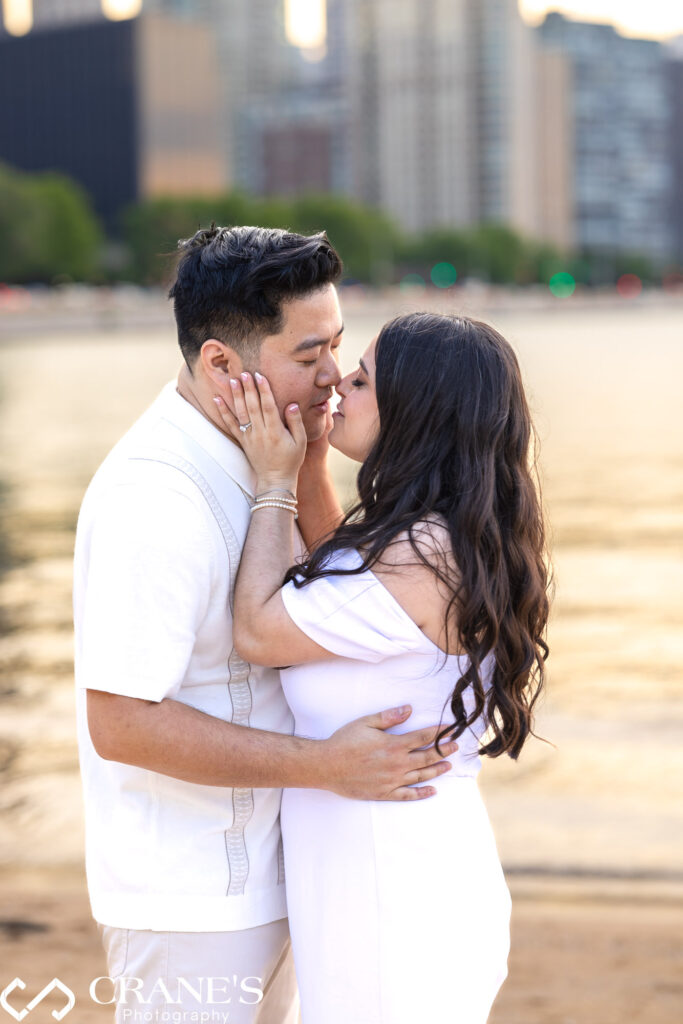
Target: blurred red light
(673, 281)
(629, 285)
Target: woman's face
(356, 421)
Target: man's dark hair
(231, 283)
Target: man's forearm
(359, 760)
(175, 739)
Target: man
(184, 747)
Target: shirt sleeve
(352, 617)
(147, 591)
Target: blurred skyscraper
(621, 118)
(439, 99)
(674, 83)
(553, 149)
(502, 53)
(409, 90)
(130, 109)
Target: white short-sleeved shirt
(159, 538)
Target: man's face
(300, 362)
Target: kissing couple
(282, 706)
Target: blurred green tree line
(47, 229)
(50, 234)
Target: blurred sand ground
(590, 830)
(580, 955)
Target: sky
(654, 19)
(18, 14)
(306, 20)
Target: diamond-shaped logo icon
(54, 984)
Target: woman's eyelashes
(356, 383)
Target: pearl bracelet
(276, 490)
(281, 501)
(274, 503)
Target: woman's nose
(342, 388)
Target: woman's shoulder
(419, 570)
(428, 541)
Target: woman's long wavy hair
(456, 440)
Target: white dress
(399, 912)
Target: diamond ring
(244, 427)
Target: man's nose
(328, 375)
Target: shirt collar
(222, 450)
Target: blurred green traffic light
(562, 285)
(444, 275)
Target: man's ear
(219, 362)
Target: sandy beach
(581, 954)
(588, 825)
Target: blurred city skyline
(442, 116)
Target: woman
(431, 591)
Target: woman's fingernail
(233, 382)
(294, 408)
(218, 401)
(244, 376)
(258, 376)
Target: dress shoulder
(352, 616)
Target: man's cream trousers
(239, 977)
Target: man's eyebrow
(303, 346)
